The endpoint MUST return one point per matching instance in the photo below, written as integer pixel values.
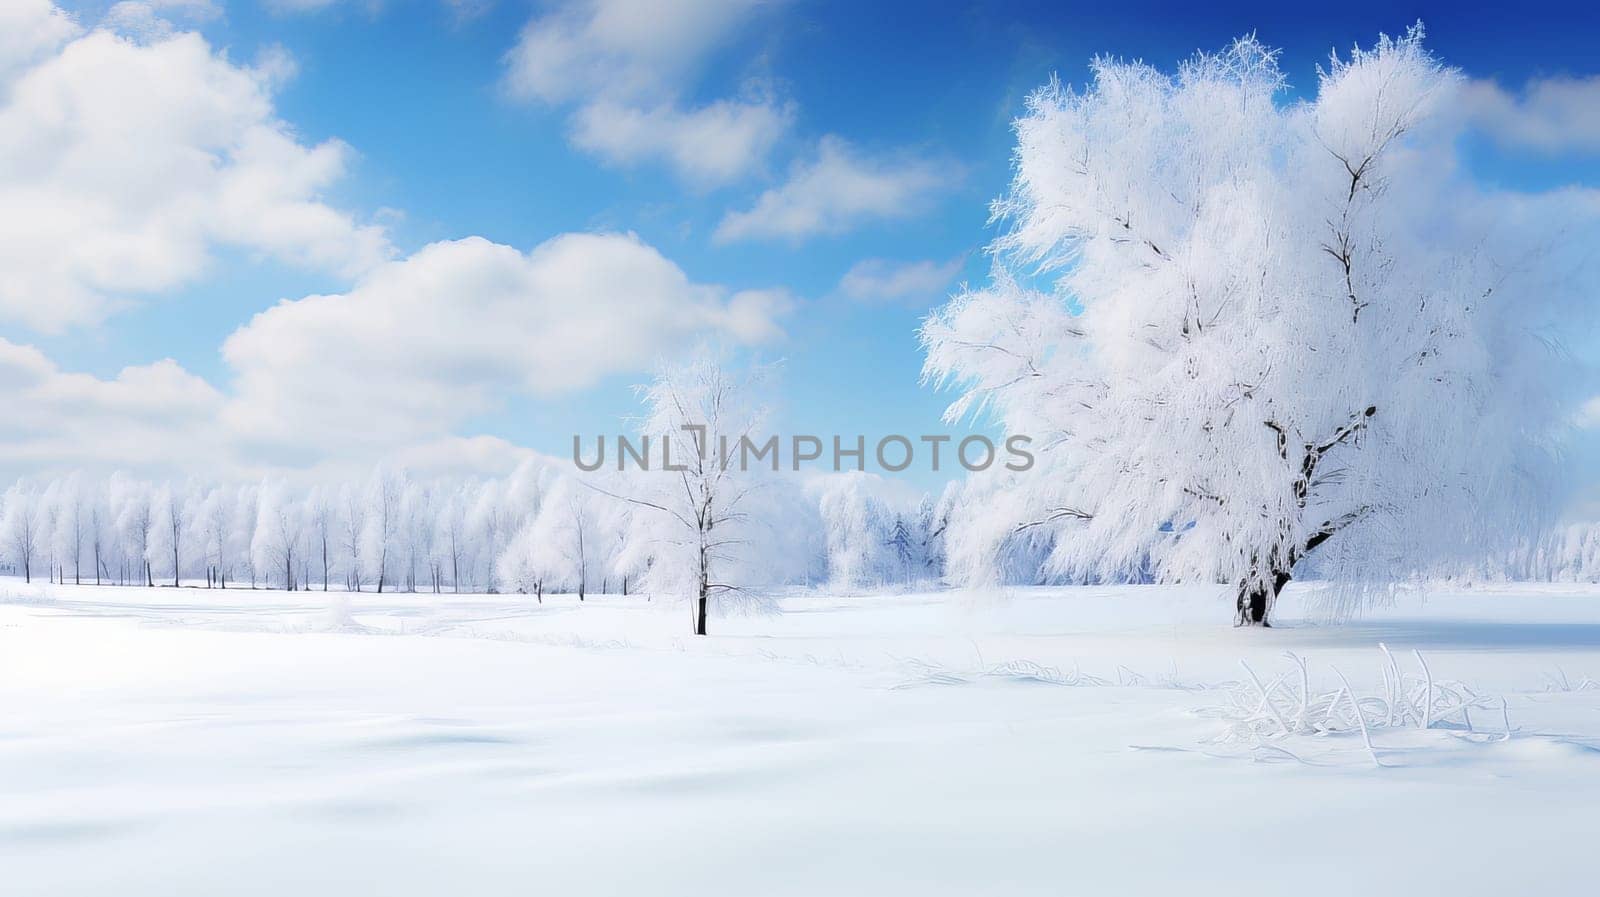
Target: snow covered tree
(279, 532)
(352, 522)
(242, 532)
(381, 534)
(97, 517)
(69, 526)
(19, 525)
(321, 526)
(1244, 333)
(858, 527)
(698, 516)
(134, 522)
(452, 534)
(169, 529)
(560, 548)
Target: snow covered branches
(704, 531)
(1250, 336)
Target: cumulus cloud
(625, 64)
(710, 145)
(635, 48)
(126, 161)
(883, 280)
(1549, 114)
(150, 19)
(154, 417)
(29, 31)
(421, 344)
(389, 370)
(835, 192)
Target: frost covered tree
(564, 545)
(134, 522)
(241, 531)
(19, 523)
(869, 544)
(381, 533)
(69, 526)
(352, 522)
(279, 532)
(1247, 335)
(696, 518)
(97, 514)
(321, 522)
(169, 529)
(452, 533)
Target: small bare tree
(694, 510)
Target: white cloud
(421, 344)
(710, 145)
(880, 280)
(463, 8)
(152, 19)
(151, 417)
(124, 165)
(619, 48)
(29, 31)
(625, 63)
(835, 192)
(461, 456)
(390, 370)
(1548, 114)
(1588, 416)
(301, 5)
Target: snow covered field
(184, 741)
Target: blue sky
(444, 146)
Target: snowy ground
(184, 741)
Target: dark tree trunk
(1254, 604)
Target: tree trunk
(1254, 604)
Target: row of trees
(538, 529)
(707, 533)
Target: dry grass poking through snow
(1264, 716)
